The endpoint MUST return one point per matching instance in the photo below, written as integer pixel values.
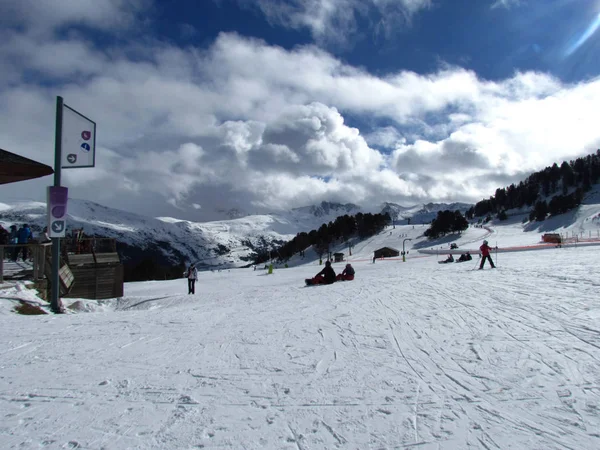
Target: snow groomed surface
(410, 354)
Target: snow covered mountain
(428, 212)
(232, 213)
(420, 214)
(211, 244)
(170, 241)
(328, 210)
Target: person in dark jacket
(3, 236)
(347, 274)
(14, 235)
(485, 253)
(325, 276)
(13, 238)
(23, 236)
(192, 276)
(464, 257)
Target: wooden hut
(96, 267)
(338, 257)
(386, 252)
(554, 238)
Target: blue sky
(263, 105)
(494, 39)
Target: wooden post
(36, 261)
(43, 251)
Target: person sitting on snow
(347, 274)
(325, 276)
(449, 259)
(465, 257)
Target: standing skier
(192, 276)
(485, 254)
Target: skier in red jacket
(485, 253)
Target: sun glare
(585, 36)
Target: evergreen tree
(540, 211)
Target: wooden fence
(39, 255)
(90, 267)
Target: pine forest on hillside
(341, 229)
(564, 186)
(552, 191)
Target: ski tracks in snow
(466, 368)
(463, 363)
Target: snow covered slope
(410, 354)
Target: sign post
(76, 135)
(57, 211)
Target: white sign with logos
(78, 143)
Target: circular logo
(85, 147)
(86, 135)
(72, 158)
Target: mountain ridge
(215, 244)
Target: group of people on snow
(328, 276)
(14, 237)
(485, 250)
(325, 276)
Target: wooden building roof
(15, 168)
(387, 248)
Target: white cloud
(387, 137)
(40, 18)
(335, 20)
(505, 3)
(50, 58)
(509, 137)
(248, 125)
(313, 139)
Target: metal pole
(496, 252)
(55, 281)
